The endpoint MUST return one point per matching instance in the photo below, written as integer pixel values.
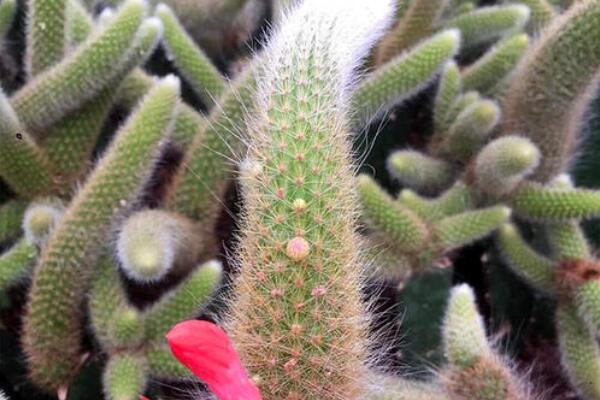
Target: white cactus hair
(362, 27)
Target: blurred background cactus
(394, 200)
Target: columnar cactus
(299, 250)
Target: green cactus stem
(449, 88)
(579, 351)
(403, 76)
(400, 225)
(183, 302)
(66, 86)
(416, 23)
(61, 276)
(542, 13)
(494, 67)
(541, 203)
(420, 172)
(470, 130)
(457, 199)
(486, 24)
(555, 82)
(461, 229)
(16, 262)
(189, 60)
(70, 142)
(11, 216)
(23, 164)
(207, 167)
(475, 370)
(107, 297)
(503, 164)
(7, 15)
(46, 22)
(125, 377)
(534, 268)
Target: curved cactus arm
(23, 164)
(537, 202)
(7, 16)
(403, 76)
(568, 241)
(416, 24)
(587, 301)
(548, 95)
(536, 269)
(46, 34)
(400, 225)
(462, 229)
(66, 86)
(163, 365)
(580, 354)
(79, 25)
(503, 164)
(16, 262)
(189, 60)
(70, 142)
(125, 376)
(62, 275)
(459, 198)
(450, 87)
(470, 130)
(106, 297)
(11, 216)
(207, 167)
(489, 72)
(460, 104)
(420, 172)
(486, 24)
(188, 122)
(463, 332)
(542, 14)
(183, 302)
(476, 371)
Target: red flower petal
(205, 349)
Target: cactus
(153, 243)
(489, 23)
(7, 15)
(548, 109)
(115, 182)
(65, 87)
(416, 23)
(23, 164)
(304, 85)
(404, 75)
(46, 26)
(487, 73)
(189, 59)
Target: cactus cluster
(118, 182)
